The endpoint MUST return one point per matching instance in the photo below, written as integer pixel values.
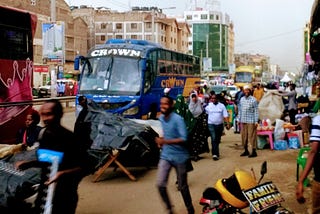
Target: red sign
(41, 68)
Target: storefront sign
(41, 68)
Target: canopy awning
(286, 78)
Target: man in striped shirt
(313, 161)
(249, 121)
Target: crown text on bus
(172, 82)
(116, 51)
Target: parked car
(232, 90)
(45, 90)
(218, 88)
(34, 92)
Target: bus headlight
(131, 111)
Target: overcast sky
(270, 27)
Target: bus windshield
(243, 77)
(111, 75)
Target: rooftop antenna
(192, 5)
(212, 5)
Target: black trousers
(292, 115)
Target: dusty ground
(115, 193)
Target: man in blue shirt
(249, 120)
(174, 154)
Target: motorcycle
(241, 190)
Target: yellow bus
(244, 75)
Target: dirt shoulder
(117, 194)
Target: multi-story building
(75, 42)
(87, 14)
(140, 23)
(210, 36)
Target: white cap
(246, 87)
(166, 90)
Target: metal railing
(39, 101)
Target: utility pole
(207, 45)
(54, 68)
(201, 61)
(152, 26)
(53, 11)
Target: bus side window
(169, 67)
(180, 69)
(190, 70)
(162, 68)
(148, 76)
(174, 68)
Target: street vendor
(293, 105)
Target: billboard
(207, 64)
(232, 68)
(53, 42)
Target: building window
(204, 16)
(148, 25)
(118, 36)
(217, 17)
(119, 26)
(134, 37)
(161, 38)
(70, 40)
(171, 40)
(190, 43)
(134, 26)
(211, 17)
(171, 28)
(165, 39)
(102, 38)
(103, 25)
(189, 17)
(175, 41)
(175, 30)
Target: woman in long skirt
(198, 137)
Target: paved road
(117, 194)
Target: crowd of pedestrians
(206, 116)
(187, 125)
(67, 88)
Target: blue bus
(128, 77)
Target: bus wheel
(153, 112)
